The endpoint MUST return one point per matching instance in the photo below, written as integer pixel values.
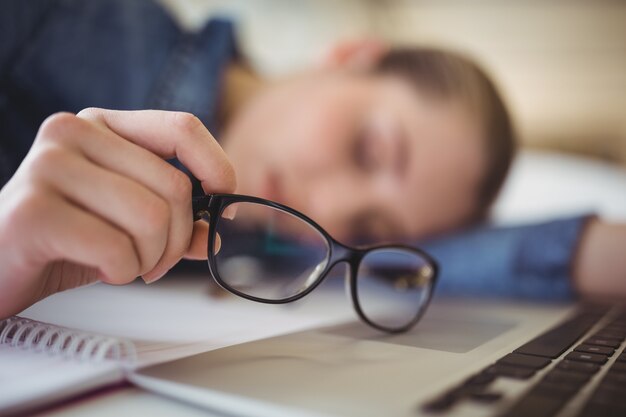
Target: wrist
(599, 265)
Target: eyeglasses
(273, 254)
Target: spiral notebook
(42, 363)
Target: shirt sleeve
(528, 261)
(19, 21)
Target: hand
(94, 200)
(599, 267)
(356, 54)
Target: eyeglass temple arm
(200, 206)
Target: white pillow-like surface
(544, 185)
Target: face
(367, 157)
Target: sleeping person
(377, 145)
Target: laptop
(464, 358)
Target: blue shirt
(531, 261)
(65, 55)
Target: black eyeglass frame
(211, 207)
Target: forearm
(599, 267)
(531, 261)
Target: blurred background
(561, 65)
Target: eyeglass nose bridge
(342, 253)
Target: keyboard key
(440, 404)
(536, 405)
(622, 357)
(482, 378)
(618, 367)
(575, 366)
(610, 386)
(510, 371)
(552, 388)
(602, 410)
(614, 328)
(616, 378)
(609, 334)
(448, 399)
(602, 342)
(619, 330)
(620, 321)
(557, 340)
(586, 357)
(486, 397)
(601, 350)
(565, 377)
(606, 400)
(610, 391)
(525, 361)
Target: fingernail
(230, 212)
(218, 243)
(150, 280)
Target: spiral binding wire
(55, 340)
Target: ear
(359, 54)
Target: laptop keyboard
(568, 373)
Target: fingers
(116, 154)
(94, 193)
(92, 242)
(125, 204)
(132, 144)
(198, 246)
(173, 134)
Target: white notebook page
(176, 317)
(30, 379)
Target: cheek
(318, 137)
(451, 200)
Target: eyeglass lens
(269, 253)
(393, 286)
(273, 255)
